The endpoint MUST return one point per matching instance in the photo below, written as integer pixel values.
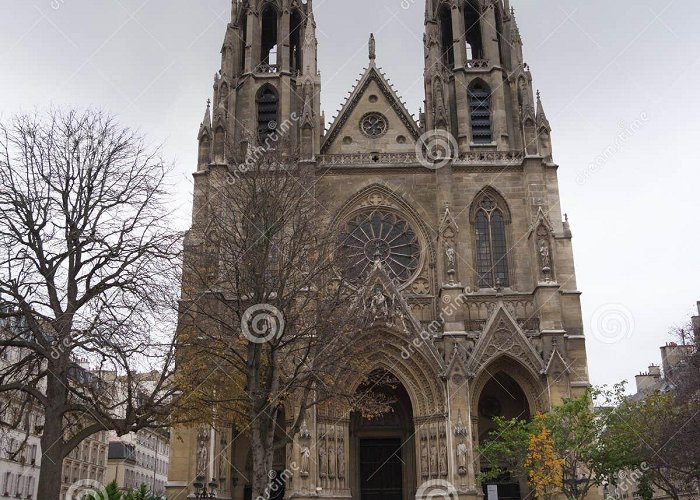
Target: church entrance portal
(501, 397)
(383, 448)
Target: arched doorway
(502, 397)
(382, 449)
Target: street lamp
(204, 491)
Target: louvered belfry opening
(480, 112)
(267, 112)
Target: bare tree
(268, 319)
(87, 268)
(684, 334)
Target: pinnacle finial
(372, 47)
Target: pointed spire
(541, 117)
(372, 47)
(205, 127)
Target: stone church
(459, 205)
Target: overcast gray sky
(619, 80)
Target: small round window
(374, 125)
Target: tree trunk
(262, 455)
(51, 459)
(52, 441)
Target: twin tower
(477, 86)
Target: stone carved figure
(545, 255)
(322, 462)
(331, 460)
(341, 461)
(443, 461)
(433, 459)
(424, 458)
(451, 255)
(305, 458)
(379, 307)
(462, 451)
(202, 450)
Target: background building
(139, 458)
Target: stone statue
(202, 451)
(443, 461)
(433, 460)
(341, 461)
(322, 462)
(424, 458)
(305, 457)
(331, 461)
(545, 255)
(462, 458)
(451, 255)
(378, 304)
(372, 47)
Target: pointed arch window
(447, 37)
(491, 245)
(267, 102)
(480, 113)
(295, 26)
(268, 42)
(472, 31)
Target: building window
(447, 38)
(267, 112)
(268, 42)
(480, 113)
(491, 246)
(472, 31)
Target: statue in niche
(424, 458)
(341, 461)
(305, 457)
(443, 461)
(202, 450)
(462, 451)
(322, 462)
(545, 255)
(433, 460)
(331, 461)
(451, 255)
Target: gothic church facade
(470, 233)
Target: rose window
(374, 125)
(381, 236)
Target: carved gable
(373, 119)
(503, 337)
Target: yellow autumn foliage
(544, 467)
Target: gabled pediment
(372, 94)
(385, 308)
(503, 337)
(556, 364)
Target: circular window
(373, 98)
(384, 236)
(374, 125)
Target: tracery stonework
(464, 273)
